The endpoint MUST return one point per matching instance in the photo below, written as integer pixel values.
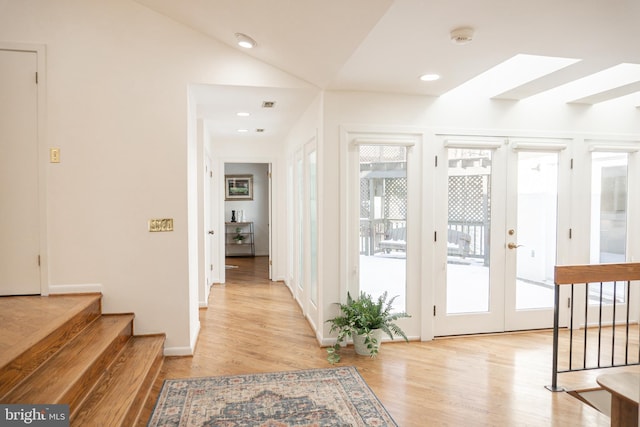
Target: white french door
(498, 234)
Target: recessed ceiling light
(429, 77)
(268, 104)
(245, 41)
(243, 114)
(243, 130)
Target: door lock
(211, 231)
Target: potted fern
(365, 320)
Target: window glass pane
(468, 234)
(383, 222)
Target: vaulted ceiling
(584, 51)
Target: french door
(497, 237)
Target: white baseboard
(185, 351)
(178, 351)
(75, 289)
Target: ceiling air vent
(268, 104)
(259, 130)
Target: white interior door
(19, 207)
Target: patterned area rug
(317, 397)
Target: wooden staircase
(62, 349)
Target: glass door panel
(468, 231)
(536, 230)
(383, 222)
(300, 225)
(313, 227)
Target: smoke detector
(462, 35)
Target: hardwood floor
(254, 325)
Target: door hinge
(434, 311)
(36, 77)
(570, 233)
(211, 267)
(38, 260)
(270, 262)
(571, 164)
(435, 236)
(436, 164)
(269, 175)
(210, 174)
(568, 302)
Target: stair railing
(597, 276)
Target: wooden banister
(586, 275)
(570, 274)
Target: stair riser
(25, 364)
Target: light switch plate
(161, 224)
(54, 155)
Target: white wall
(116, 105)
(256, 210)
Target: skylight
(510, 74)
(588, 87)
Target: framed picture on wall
(238, 187)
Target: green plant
(239, 237)
(362, 316)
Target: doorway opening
(247, 215)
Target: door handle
(211, 231)
(512, 245)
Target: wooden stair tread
(77, 366)
(35, 328)
(117, 398)
(26, 320)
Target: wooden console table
(625, 395)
